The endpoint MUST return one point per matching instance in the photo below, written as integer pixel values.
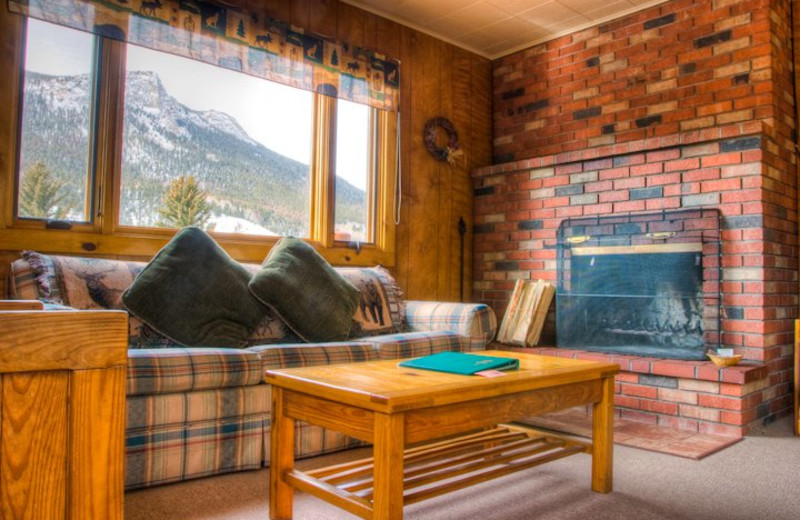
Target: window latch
(57, 224)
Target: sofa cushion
(381, 309)
(195, 294)
(307, 355)
(315, 301)
(162, 371)
(415, 344)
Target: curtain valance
(237, 39)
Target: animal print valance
(245, 41)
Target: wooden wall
(437, 79)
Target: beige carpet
(757, 478)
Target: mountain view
(251, 188)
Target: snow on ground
(228, 224)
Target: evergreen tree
(185, 204)
(41, 195)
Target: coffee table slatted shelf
(434, 469)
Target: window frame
(104, 236)
(92, 194)
(372, 186)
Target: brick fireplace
(642, 284)
(684, 106)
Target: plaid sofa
(194, 412)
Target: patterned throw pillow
(301, 287)
(381, 309)
(270, 330)
(195, 294)
(81, 282)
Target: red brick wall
(682, 66)
(686, 104)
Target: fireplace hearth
(644, 285)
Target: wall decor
(452, 151)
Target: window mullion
(322, 170)
(108, 128)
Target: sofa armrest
(476, 321)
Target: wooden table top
(384, 386)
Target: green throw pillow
(195, 294)
(315, 301)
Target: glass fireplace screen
(646, 285)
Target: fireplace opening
(644, 284)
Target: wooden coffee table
(394, 407)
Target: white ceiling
(494, 28)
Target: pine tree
(41, 195)
(185, 204)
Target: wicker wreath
(449, 153)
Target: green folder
(459, 363)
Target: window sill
(145, 246)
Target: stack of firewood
(527, 309)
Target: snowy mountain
(165, 139)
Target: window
(355, 171)
(193, 154)
(119, 145)
(56, 125)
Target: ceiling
(494, 28)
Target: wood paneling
(370, 40)
(461, 188)
(387, 37)
(439, 80)
(351, 24)
(423, 187)
(301, 13)
(445, 237)
(277, 9)
(323, 17)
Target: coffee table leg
(281, 495)
(388, 472)
(603, 439)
